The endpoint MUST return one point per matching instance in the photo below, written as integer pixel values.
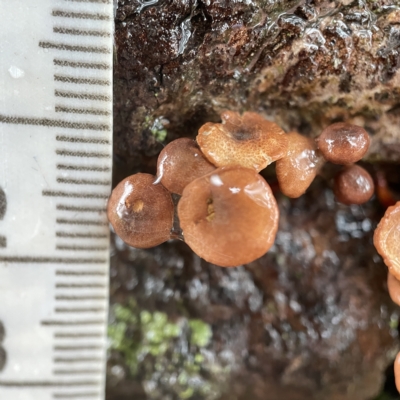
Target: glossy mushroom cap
(181, 162)
(387, 239)
(353, 185)
(393, 288)
(141, 212)
(229, 217)
(248, 141)
(343, 143)
(297, 170)
(397, 372)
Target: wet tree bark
(312, 318)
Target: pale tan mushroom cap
(297, 170)
(248, 141)
(387, 239)
(229, 217)
(393, 288)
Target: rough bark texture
(304, 64)
(312, 318)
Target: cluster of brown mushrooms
(226, 211)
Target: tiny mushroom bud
(140, 211)
(248, 141)
(181, 162)
(393, 288)
(383, 192)
(229, 217)
(353, 185)
(397, 372)
(387, 239)
(297, 170)
(343, 143)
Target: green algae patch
(156, 128)
(200, 332)
(168, 355)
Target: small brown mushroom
(397, 372)
(383, 191)
(229, 217)
(181, 162)
(140, 211)
(393, 288)
(297, 170)
(353, 185)
(343, 143)
(248, 141)
(387, 239)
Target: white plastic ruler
(55, 177)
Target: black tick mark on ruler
(3, 209)
(3, 355)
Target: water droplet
(16, 72)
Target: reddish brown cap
(248, 141)
(397, 372)
(353, 185)
(181, 162)
(393, 288)
(140, 211)
(297, 170)
(343, 143)
(387, 239)
(229, 217)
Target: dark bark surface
(304, 64)
(312, 318)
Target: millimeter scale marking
(55, 177)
